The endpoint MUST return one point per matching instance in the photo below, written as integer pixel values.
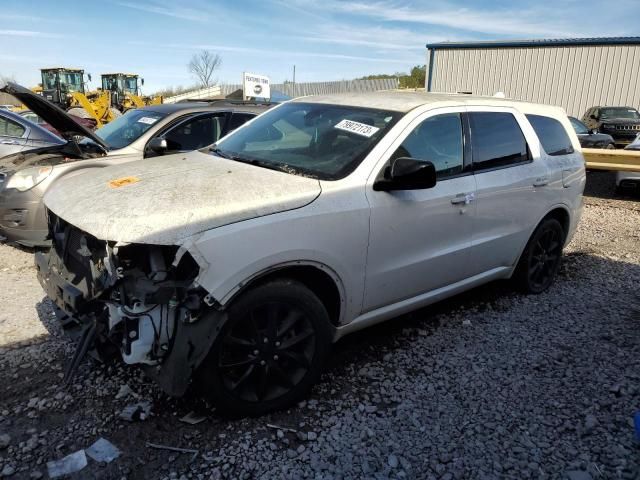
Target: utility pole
(294, 82)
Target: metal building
(572, 73)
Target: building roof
(558, 42)
(404, 101)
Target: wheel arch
(317, 277)
(561, 213)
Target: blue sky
(326, 40)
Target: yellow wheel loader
(66, 88)
(125, 91)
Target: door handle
(9, 142)
(541, 181)
(463, 199)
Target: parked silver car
(18, 134)
(142, 133)
(240, 266)
(629, 181)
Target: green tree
(416, 79)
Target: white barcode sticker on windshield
(357, 127)
(147, 120)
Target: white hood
(164, 200)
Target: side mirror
(89, 76)
(407, 174)
(593, 131)
(142, 81)
(158, 145)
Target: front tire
(270, 352)
(541, 258)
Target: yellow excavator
(125, 91)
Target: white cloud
(498, 22)
(169, 10)
(269, 52)
(29, 33)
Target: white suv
(236, 268)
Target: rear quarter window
(552, 135)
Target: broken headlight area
(135, 300)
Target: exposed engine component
(145, 332)
(135, 299)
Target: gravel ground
(490, 384)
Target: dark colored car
(17, 134)
(622, 123)
(146, 132)
(591, 138)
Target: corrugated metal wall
(575, 77)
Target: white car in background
(237, 267)
(629, 181)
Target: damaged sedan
(231, 270)
(143, 133)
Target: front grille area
(79, 254)
(626, 128)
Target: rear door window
(497, 140)
(552, 135)
(193, 134)
(9, 128)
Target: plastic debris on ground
(103, 451)
(192, 418)
(67, 465)
(136, 411)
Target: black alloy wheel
(270, 352)
(540, 261)
(267, 352)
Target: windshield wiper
(220, 153)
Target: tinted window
(193, 134)
(439, 140)
(497, 140)
(578, 126)
(552, 135)
(9, 128)
(239, 119)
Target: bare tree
(202, 66)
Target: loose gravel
(489, 384)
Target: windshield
(620, 112)
(311, 139)
(71, 81)
(131, 85)
(126, 129)
(578, 126)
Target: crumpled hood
(164, 200)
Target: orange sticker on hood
(121, 182)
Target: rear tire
(540, 261)
(269, 353)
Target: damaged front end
(137, 301)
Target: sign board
(256, 86)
